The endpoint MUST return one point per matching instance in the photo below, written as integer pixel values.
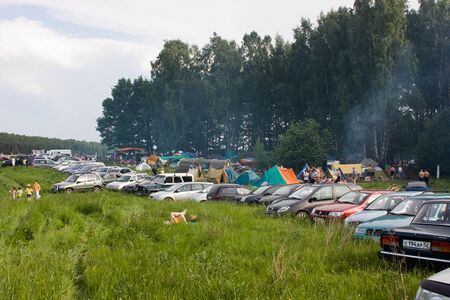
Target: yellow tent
(348, 168)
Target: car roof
(431, 196)
(447, 200)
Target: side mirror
(312, 199)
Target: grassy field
(111, 245)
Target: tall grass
(112, 245)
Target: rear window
(187, 179)
(433, 214)
(178, 179)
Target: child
(19, 193)
(29, 191)
(13, 193)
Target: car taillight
(440, 246)
(390, 240)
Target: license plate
(319, 220)
(416, 245)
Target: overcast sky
(59, 59)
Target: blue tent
(300, 174)
(247, 178)
(231, 174)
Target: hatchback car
(123, 181)
(302, 201)
(347, 205)
(180, 191)
(79, 183)
(226, 192)
(426, 239)
(281, 192)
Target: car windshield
(173, 187)
(283, 191)
(260, 190)
(102, 170)
(303, 192)
(72, 178)
(353, 198)
(124, 178)
(159, 179)
(206, 190)
(408, 207)
(385, 202)
(86, 168)
(433, 214)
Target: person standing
(13, 161)
(37, 190)
(392, 170)
(24, 162)
(19, 193)
(13, 193)
(354, 175)
(400, 171)
(421, 175)
(29, 192)
(426, 176)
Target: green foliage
(304, 142)
(434, 144)
(124, 250)
(262, 157)
(15, 143)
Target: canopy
(347, 169)
(247, 178)
(278, 175)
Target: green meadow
(116, 246)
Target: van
(162, 181)
(55, 152)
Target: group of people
(424, 175)
(30, 191)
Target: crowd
(30, 191)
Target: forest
(374, 76)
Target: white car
(120, 183)
(435, 287)
(180, 191)
(201, 195)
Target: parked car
(43, 163)
(142, 178)
(180, 191)
(88, 168)
(302, 201)
(201, 196)
(254, 196)
(420, 186)
(161, 182)
(280, 193)
(122, 181)
(401, 215)
(435, 287)
(265, 198)
(347, 205)
(79, 183)
(226, 191)
(102, 171)
(114, 173)
(66, 164)
(380, 207)
(426, 239)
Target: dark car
(302, 201)
(144, 179)
(254, 196)
(281, 192)
(427, 238)
(417, 186)
(226, 192)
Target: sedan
(426, 239)
(347, 205)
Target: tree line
(15, 143)
(374, 76)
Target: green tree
(262, 157)
(304, 142)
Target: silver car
(79, 183)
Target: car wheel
(69, 191)
(302, 215)
(96, 189)
(168, 199)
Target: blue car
(401, 215)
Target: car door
(340, 190)
(323, 195)
(81, 183)
(228, 193)
(182, 192)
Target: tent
(369, 162)
(300, 174)
(216, 171)
(247, 178)
(231, 174)
(143, 167)
(347, 169)
(278, 175)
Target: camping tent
(347, 169)
(231, 174)
(143, 167)
(366, 162)
(247, 178)
(278, 175)
(300, 174)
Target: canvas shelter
(278, 175)
(366, 162)
(347, 169)
(216, 171)
(247, 178)
(231, 174)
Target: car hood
(389, 221)
(418, 229)
(366, 215)
(282, 203)
(64, 183)
(336, 207)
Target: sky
(60, 59)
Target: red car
(347, 205)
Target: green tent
(247, 178)
(278, 175)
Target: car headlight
(335, 213)
(313, 211)
(283, 209)
(360, 230)
(423, 294)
